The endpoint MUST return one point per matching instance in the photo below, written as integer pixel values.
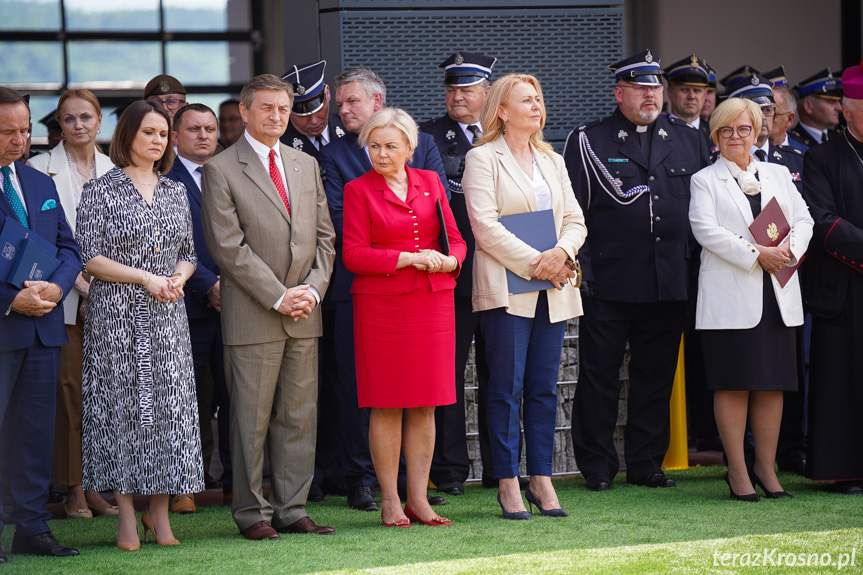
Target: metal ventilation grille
(568, 50)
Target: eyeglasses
(641, 89)
(783, 113)
(768, 111)
(727, 131)
(173, 104)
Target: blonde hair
(726, 112)
(392, 117)
(499, 95)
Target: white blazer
(55, 164)
(494, 186)
(730, 279)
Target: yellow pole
(677, 456)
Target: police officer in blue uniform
(311, 126)
(466, 79)
(688, 83)
(630, 172)
(818, 106)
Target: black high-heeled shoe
(751, 497)
(769, 494)
(532, 500)
(517, 515)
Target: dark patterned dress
(140, 415)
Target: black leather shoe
(435, 500)
(597, 482)
(2, 556)
(849, 487)
(211, 482)
(362, 497)
(316, 494)
(41, 544)
(454, 488)
(656, 479)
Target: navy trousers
(28, 390)
(524, 360)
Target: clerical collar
(632, 126)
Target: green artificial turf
(625, 530)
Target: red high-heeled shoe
(436, 521)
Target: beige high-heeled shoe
(131, 545)
(79, 514)
(148, 526)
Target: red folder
(770, 228)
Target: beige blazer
(259, 248)
(730, 281)
(494, 186)
(55, 163)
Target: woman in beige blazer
(515, 171)
(72, 163)
(747, 318)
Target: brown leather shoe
(306, 525)
(183, 503)
(260, 531)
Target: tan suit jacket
(259, 248)
(55, 163)
(494, 186)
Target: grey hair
(367, 78)
(786, 94)
(264, 82)
(852, 103)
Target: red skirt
(405, 348)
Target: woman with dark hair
(72, 163)
(140, 416)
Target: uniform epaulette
(592, 124)
(678, 122)
(792, 149)
(428, 124)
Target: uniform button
(651, 178)
(658, 240)
(671, 170)
(658, 219)
(655, 197)
(682, 170)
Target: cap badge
(694, 60)
(648, 57)
(755, 80)
(339, 132)
(622, 135)
(163, 85)
(459, 59)
(297, 144)
(662, 133)
(450, 135)
(301, 89)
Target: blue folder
(32, 263)
(10, 241)
(536, 229)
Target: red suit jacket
(378, 226)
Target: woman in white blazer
(72, 163)
(747, 318)
(511, 172)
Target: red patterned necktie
(277, 180)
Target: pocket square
(48, 205)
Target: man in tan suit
(267, 226)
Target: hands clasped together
(772, 260)
(37, 298)
(552, 265)
(298, 302)
(433, 261)
(164, 289)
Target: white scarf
(745, 178)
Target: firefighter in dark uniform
(630, 172)
(688, 83)
(312, 127)
(791, 449)
(818, 106)
(466, 79)
(833, 286)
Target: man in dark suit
(195, 131)
(359, 93)
(311, 128)
(688, 82)
(630, 173)
(31, 333)
(466, 78)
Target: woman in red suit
(404, 322)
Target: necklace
(145, 184)
(78, 177)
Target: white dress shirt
(16, 185)
(193, 167)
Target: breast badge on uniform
(778, 156)
(622, 135)
(450, 135)
(297, 144)
(339, 132)
(662, 133)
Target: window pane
(208, 62)
(31, 62)
(206, 15)
(32, 15)
(122, 15)
(39, 107)
(104, 61)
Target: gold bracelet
(179, 275)
(145, 279)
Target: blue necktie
(12, 196)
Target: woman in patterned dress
(140, 418)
